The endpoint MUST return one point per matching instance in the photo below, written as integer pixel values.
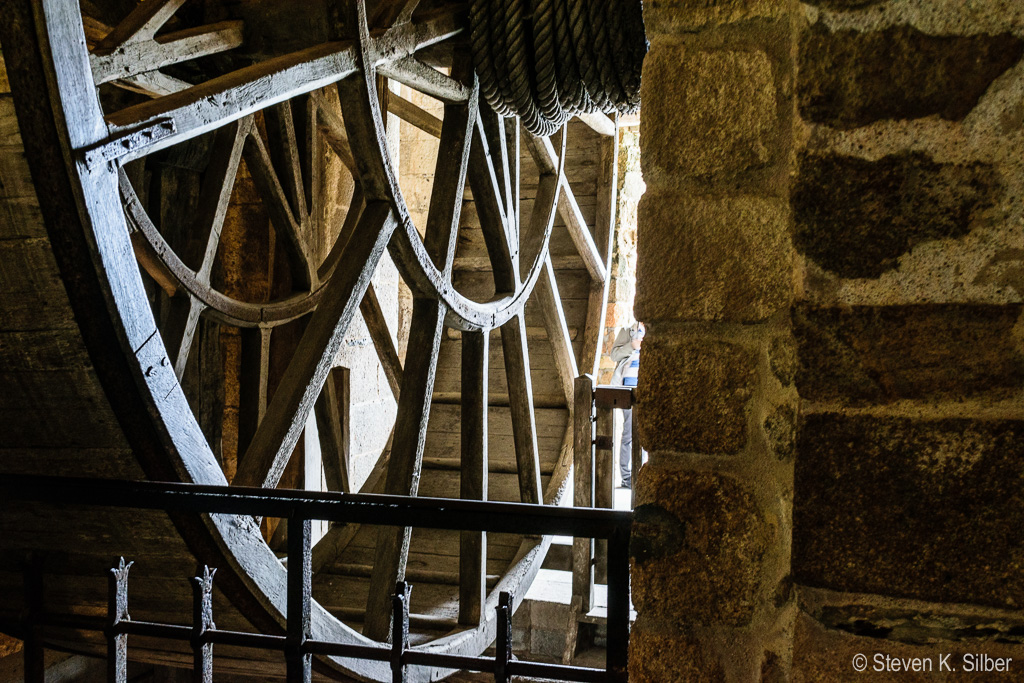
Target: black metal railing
(299, 508)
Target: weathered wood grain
(473, 473)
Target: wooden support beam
(373, 316)
(583, 483)
(277, 435)
(604, 475)
(473, 478)
(550, 300)
(278, 193)
(599, 123)
(520, 397)
(142, 56)
(426, 332)
(604, 232)
(245, 91)
(428, 80)
(414, 115)
(141, 24)
(487, 189)
(333, 129)
(403, 475)
(332, 423)
(544, 154)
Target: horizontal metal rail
(299, 507)
(356, 508)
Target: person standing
(626, 354)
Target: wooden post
(583, 496)
(638, 453)
(604, 487)
(473, 479)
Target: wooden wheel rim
(409, 252)
(171, 438)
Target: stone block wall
(717, 404)
(909, 231)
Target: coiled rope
(546, 61)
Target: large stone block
(706, 113)
(880, 354)
(850, 79)
(693, 395)
(822, 655)
(844, 4)
(667, 16)
(657, 656)
(926, 509)
(856, 217)
(713, 259)
(698, 543)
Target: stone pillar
(909, 320)
(716, 401)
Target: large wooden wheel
(152, 250)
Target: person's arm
(623, 346)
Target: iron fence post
(117, 612)
(202, 621)
(35, 665)
(503, 639)
(300, 579)
(618, 604)
(399, 630)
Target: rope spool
(548, 60)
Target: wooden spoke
(487, 189)
(473, 478)
(333, 129)
(599, 123)
(544, 154)
(395, 13)
(427, 329)
(279, 206)
(355, 212)
(180, 330)
(216, 193)
(332, 423)
(141, 55)
(497, 144)
(520, 398)
(141, 24)
(245, 91)
(414, 114)
(277, 435)
(284, 151)
(253, 385)
(403, 475)
(512, 129)
(153, 84)
(558, 331)
(419, 76)
(446, 197)
(380, 335)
